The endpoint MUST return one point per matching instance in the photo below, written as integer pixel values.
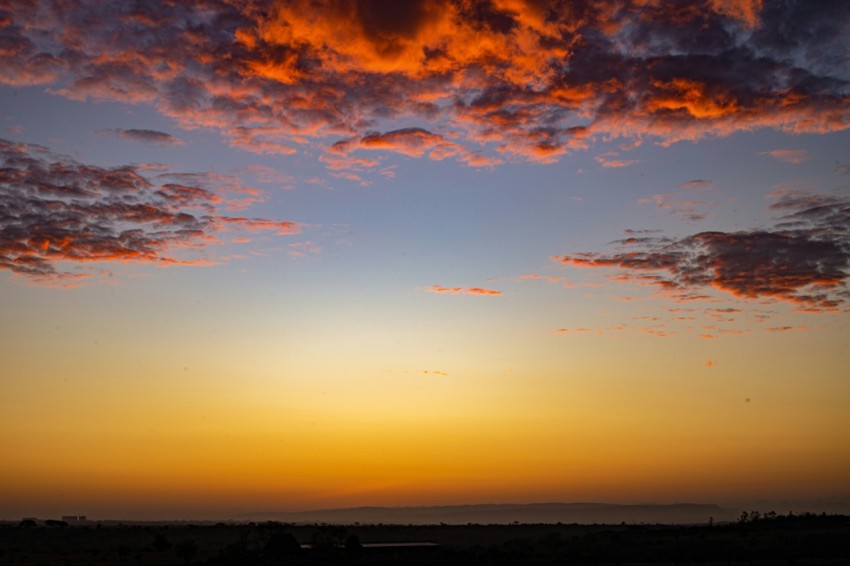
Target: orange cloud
(786, 328)
(794, 156)
(551, 278)
(522, 79)
(413, 142)
(416, 38)
(462, 290)
(687, 95)
(746, 11)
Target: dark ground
(802, 539)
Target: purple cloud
(57, 211)
(804, 259)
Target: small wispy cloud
(462, 290)
(686, 209)
(787, 329)
(612, 160)
(697, 184)
(299, 250)
(150, 137)
(793, 156)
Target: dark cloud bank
(530, 79)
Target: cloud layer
(54, 210)
(526, 78)
(804, 259)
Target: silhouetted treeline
(754, 538)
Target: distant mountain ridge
(493, 513)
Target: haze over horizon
(476, 513)
(270, 255)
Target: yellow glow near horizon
(632, 433)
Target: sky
(272, 256)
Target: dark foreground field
(806, 539)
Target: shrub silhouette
(55, 523)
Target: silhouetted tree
(27, 523)
(328, 539)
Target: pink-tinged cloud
(793, 156)
(280, 227)
(462, 290)
(270, 175)
(550, 278)
(657, 332)
(804, 259)
(228, 189)
(612, 160)
(527, 79)
(336, 163)
(299, 250)
(57, 210)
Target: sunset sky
(304, 254)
